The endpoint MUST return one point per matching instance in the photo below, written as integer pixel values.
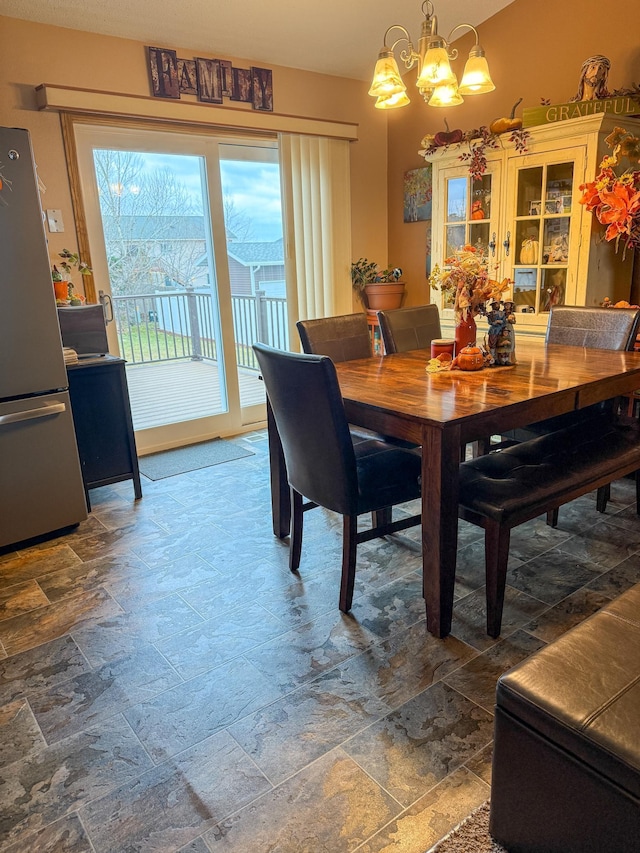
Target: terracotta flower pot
(385, 296)
(61, 289)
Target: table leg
(440, 461)
(280, 495)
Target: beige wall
(35, 53)
(535, 50)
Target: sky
(253, 186)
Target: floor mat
(179, 460)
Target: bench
(566, 761)
(502, 490)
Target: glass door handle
(507, 244)
(492, 245)
(105, 301)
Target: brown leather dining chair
(343, 338)
(595, 328)
(325, 466)
(410, 328)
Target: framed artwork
(227, 77)
(535, 207)
(417, 194)
(209, 80)
(187, 79)
(163, 70)
(262, 89)
(241, 87)
(553, 205)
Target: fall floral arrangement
(615, 198)
(467, 282)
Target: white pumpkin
(529, 251)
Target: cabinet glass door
(468, 213)
(470, 210)
(543, 249)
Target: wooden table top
(547, 380)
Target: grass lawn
(147, 343)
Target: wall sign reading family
(210, 79)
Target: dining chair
(595, 328)
(578, 326)
(342, 338)
(325, 465)
(405, 329)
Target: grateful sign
(623, 106)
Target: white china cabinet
(525, 212)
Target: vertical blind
(317, 201)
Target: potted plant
(61, 278)
(378, 289)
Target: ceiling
(340, 37)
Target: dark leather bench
(566, 762)
(504, 489)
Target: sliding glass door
(186, 243)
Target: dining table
(444, 411)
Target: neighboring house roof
(142, 228)
(157, 227)
(263, 254)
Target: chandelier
(436, 82)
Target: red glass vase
(466, 332)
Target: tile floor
(168, 685)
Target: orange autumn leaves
(613, 198)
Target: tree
(153, 227)
(238, 224)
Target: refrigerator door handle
(42, 412)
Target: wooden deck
(170, 391)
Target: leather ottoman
(566, 763)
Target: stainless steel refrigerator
(41, 487)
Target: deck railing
(182, 324)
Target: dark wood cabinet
(103, 425)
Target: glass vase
(466, 332)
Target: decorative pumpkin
(529, 251)
(469, 358)
(448, 138)
(502, 125)
(477, 210)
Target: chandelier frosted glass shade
(446, 95)
(476, 79)
(400, 99)
(386, 76)
(435, 69)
